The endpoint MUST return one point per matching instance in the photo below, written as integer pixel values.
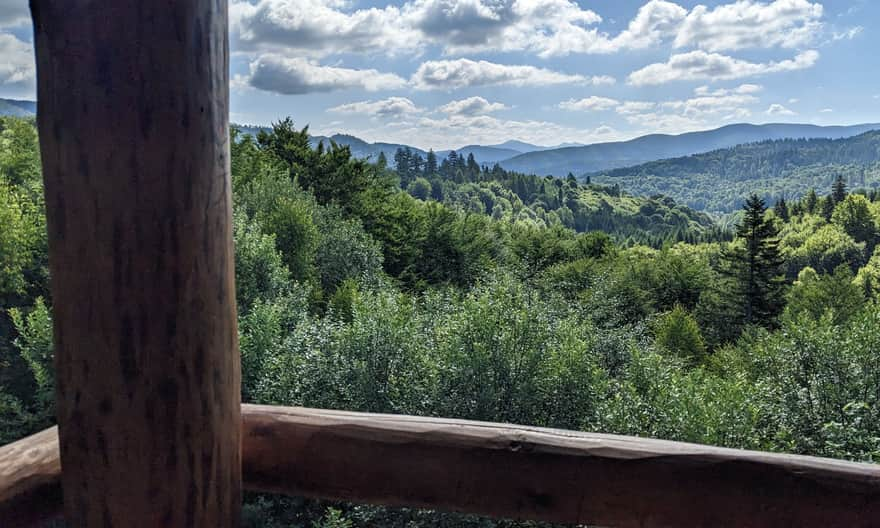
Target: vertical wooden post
(133, 119)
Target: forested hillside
(721, 180)
(512, 197)
(606, 156)
(443, 300)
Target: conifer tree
(838, 191)
(810, 201)
(431, 164)
(781, 209)
(754, 265)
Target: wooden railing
(503, 471)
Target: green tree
(854, 215)
(835, 295)
(781, 210)
(838, 190)
(753, 264)
(420, 188)
(677, 332)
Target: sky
(447, 73)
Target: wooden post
(133, 121)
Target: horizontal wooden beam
(504, 471)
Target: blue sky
(444, 73)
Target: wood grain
(133, 123)
(524, 473)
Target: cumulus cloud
(743, 89)
(706, 108)
(590, 104)
(635, 107)
(318, 28)
(750, 24)
(274, 73)
(394, 107)
(543, 27)
(779, 110)
(460, 73)
(485, 129)
(471, 106)
(14, 13)
(17, 65)
(700, 65)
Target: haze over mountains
(17, 108)
(560, 160)
(642, 155)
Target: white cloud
(542, 27)
(274, 73)
(17, 64)
(484, 129)
(655, 21)
(848, 34)
(394, 107)
(699, 65)
(779, 110)
(743, 89)
(827, 110)
(471, 106)
(590, 104)
(706, 108)
(794, 100)
(318, 28)
(460, 73)
(750, 24)
(635, 107)
(14, 13)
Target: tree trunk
(133, 120)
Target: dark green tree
(781, 209)
(753, 264)
(430, 164)
(810, 201)
(838, 190)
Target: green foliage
(497, 296)
(753, 264)
(720, 181)
(836, 296)
(678, 333)
(854, 215)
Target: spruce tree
(810, 201)
(431, 164)
(781, 209)
(753, 265)
(838, 191)
(828, 207)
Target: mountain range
(577, 159)
(719, 181)
(582, 159)
(14, 107)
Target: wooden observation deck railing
(501, 470)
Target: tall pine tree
(838, 190)
(753, 265)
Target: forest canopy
(442, 287)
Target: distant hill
(559, 161)
(14, 107)
(720, 180)
(364, 150)
(486, 155)
(603, 156)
